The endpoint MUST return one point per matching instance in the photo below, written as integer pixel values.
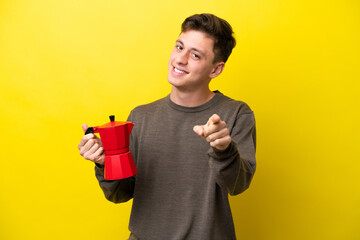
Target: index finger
(85, 139)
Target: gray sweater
(182, 186)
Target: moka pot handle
(89, 130)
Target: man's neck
(190, 99)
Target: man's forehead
(196, 39)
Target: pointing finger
(199, 130)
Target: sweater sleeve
(116, 191)
(234, 167)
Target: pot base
(119, 166)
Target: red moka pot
(114, 136)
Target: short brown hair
(217, 28)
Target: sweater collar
(214, 100)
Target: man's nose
(182, 58)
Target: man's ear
(218, 68)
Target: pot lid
(113, 123)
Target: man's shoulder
(228, 102)
(150, 107)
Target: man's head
(217, 29)
(200, 53)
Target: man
(191, 148)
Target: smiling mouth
(179, 71)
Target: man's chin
(173, 81)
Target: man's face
(191, 61)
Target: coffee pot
(114, 136)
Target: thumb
(85, 127)
(214, 119)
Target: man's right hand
(91, 147)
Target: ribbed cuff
(99, 165)
(223, 154)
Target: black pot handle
(89, 130)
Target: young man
(191, 148)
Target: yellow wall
(66, 62)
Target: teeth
(178, 71)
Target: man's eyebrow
(179, 41)
(195, 49)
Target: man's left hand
(215, 132)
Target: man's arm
(232, 156)
(117, 191)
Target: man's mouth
(180, 71)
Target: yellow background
(63, 63)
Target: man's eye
(179, 47)
(195, 56)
